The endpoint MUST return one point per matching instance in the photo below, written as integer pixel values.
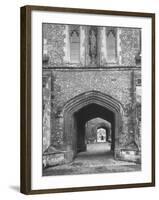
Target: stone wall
(68, 84)
(46, 110)
(53, 43)
(118, 80)
(115, 83)
(56, 46)
(130, 45)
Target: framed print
(87, 99)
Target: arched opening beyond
(107, 127)
(87, 113)
(79, 110)
(102, 135)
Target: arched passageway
(98, 136)
(87, 113)
(79, 110)
(93, 126)
(106, 126)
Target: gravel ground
(97, 159)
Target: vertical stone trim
(46, 111)
(99, 44)
(105, 44)
(103, 47)
(82, 45)
(67, 45)
(139, 41)
(87, 61)
(133, 97)
(138, 110)
(52, 109)
(119, 46)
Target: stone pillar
(46, 110)
(67, 44)
(83, 45)
(103, 52)
(119, 47)
(133, 97)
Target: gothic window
(111, 44)
(74, 43)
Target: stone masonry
(64, 80)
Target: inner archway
(98, 137)
(84, 107)
(87, 113)
(97, 125)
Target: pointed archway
(84, 107)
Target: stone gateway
(91, 80)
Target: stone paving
(97, 159)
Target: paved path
(97, 159)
